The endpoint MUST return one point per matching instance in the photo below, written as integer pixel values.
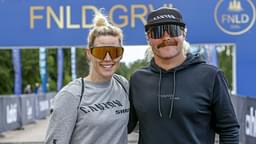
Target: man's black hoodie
(183, 105)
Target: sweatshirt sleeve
(226, 123)
(62, 120)
(133, 119)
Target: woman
(100, 116)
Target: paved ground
(34, 134)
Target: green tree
(6, 72)
(127, 71)
(52, 69)
(30, 67)
(123, 70)
(82, 66)
(67, 65)
(225, 63)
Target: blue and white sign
(43, 70)
(73, 63)
(234, 17)
(16, 52)
(60, 64)
(66, 23)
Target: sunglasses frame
(106, 49)
(157, 31)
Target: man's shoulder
(142, 72)
(208, 67)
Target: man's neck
(171, 63)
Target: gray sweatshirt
(101, 118)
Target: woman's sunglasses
(101, 52)
(157, 31)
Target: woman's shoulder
(122, 80)
(74, 87)
(120, 77)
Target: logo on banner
(29, 110)
(250, 123)
(235, 17)
(43, 105)
(11, 111)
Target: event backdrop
(47, 23)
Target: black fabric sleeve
(133, 119)
(226, 123)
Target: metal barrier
(245, 108)
(17, 111)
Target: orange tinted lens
(115, 52)
(100, 52)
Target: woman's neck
(95, 78)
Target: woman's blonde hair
(102, 27)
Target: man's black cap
(164, 15)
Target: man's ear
(148, 39)
(146, 35)
(185, 33)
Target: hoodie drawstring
(159, 94)
(172, 97)
(173, 94)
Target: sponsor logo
(164, 17)
(250, 123)
(29, 110)
(101, 106)
(122, 111)
(11, 111)
(235, 17)
(43, 105)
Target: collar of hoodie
(190, 60)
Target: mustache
(167, 43)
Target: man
(179, 99)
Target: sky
(133, 53)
